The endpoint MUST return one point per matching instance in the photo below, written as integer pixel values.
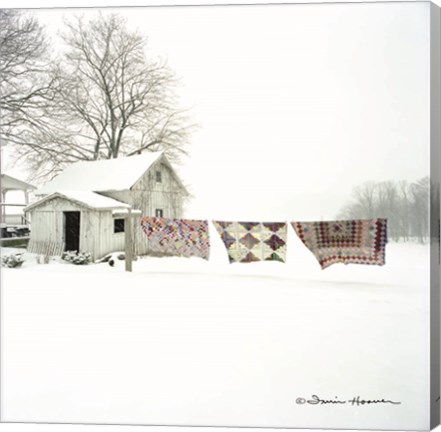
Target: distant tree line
(405, 205)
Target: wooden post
(128, 240)
(3, 214)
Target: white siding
(96, 227)
(148, 195)
(47, 226)
(108, 241)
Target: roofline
(179, 181)
(26, 185)
(80, 203)
(161, 154)
(163, 158)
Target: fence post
(128, 240)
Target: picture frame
(238, 201)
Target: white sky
(296, 104)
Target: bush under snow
(78, 258)
(12, 260)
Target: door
(72, 231)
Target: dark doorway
(72, 231)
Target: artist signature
(355, 401)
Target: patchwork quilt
(253, 241)
(345, 241)
(177, 237)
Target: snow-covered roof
(88, 199)
(8, 182)
(102, 175)
(125, 211)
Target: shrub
(12, 260)
(112, 257)
(78, 258)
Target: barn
(78, 209)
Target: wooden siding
(108, 240)
(148, 195)
(58, 204)
(96, 227)
(166, 195)
(46, 226)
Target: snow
(90, 199)
(126, 211)
(192, 342)
(11, 183)
(94, 175)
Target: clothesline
(358, 241)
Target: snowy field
(190, 342)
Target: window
(158, 177)
(118, 226)
(159, 213)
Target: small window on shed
(158, 176)
(118, 226)
(159, 213)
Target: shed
(75, 210)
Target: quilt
(253, 241)
(177, 237)
(345, 241)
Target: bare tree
(25, 90)
(365, 198)
(404, 205)
(386, 205)
(420, 208)
(111, 100)
(403, 210)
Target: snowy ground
(189, 342)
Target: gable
(54, 204)
(170, 181)
(88, 200)
(103, 175)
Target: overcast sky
(296, 104)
